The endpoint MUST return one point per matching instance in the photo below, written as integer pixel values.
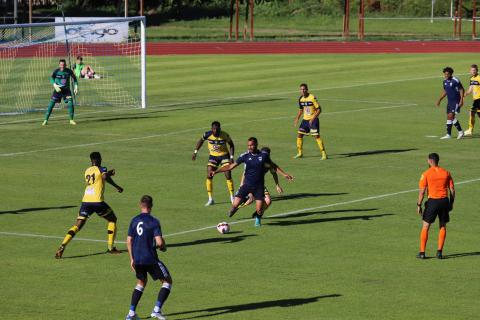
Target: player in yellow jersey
(220, 156)
(474, 89)
(310, 108)
(95, 178)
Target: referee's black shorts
(437, 207)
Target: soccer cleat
(129, 317)
(254, 214)
(114, 250)
(468, 133)
(299, 155)
(421, 255)
(232, 198)
(460, 135)
(59, 253)
(447, 136)
(439, 254)
(45, 122)
(96, 76)
(324, 155)
(232, 212)
(210, 202)
(258, 221)
(72, 122)
(158, 315)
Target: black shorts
(437, 207)
(88, 208)
(258, 192)
(306, 128)
(475, 106)
(157, 271)
(64, 94)
(218, 161)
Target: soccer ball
(223, 227)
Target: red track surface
(175, 48)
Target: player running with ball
(255, 163)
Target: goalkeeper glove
(75, 89)
(57, 87)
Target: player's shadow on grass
(372, 152)
(304, 195)
(28, 210)
(460, 255)
(311, 213)
(310, 221)
(219, 239)
(92, 254)
(283, 303)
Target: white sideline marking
(284, 214)
(185, 131)
(239, 97)
(431, 136)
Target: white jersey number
(139, 228)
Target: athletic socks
(136, 295)
(162, 296)
(441, 238)
(112, 231)
(320, 144)
(449, 127)
(471, 122)
(49, 110)
(457, 125)
(69, 236)
(423, 239)
(209, 185)
(71, 109)
(300, 145)
(230, 186)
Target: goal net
(112, 72)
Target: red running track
(179, 48)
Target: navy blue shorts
(453, 107)
(65, 94)
(306, 128)
(88, 208)
(157, 271)
(218, 161)
(258, 192)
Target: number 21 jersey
(95, 184)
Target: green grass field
(339, 244)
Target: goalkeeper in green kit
(61, 84)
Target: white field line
(240, 97)
(12, 154)
(283, 214)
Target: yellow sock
(69, 236)
(112, 232)
(209, 184)
(300, 145)
(320, 144)
(471, 122)
(230, 186)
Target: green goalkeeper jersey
(78, 67)
(62, 78)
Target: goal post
(112, 72)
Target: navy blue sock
(136, 295)
(449, 127)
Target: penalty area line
(283, 214)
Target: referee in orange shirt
(438, 182)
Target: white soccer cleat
(467, 133)
(158, 315)
(210, 202)
(129, 317)
(460, 135)
(447, 136)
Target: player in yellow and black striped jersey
(95, 178)
(221, 149)
(310, 125)
(474, 89)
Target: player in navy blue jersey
(254, 177)
(144, 237)
(453, 90)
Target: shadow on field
(284, 303)
(222, 238)
(306, 214)
(92, 254)
(372, 152)
(28, 210)
(460, 255)
(304, 195)
(310, 221)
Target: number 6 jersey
(95, 184)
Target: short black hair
(95, 156)
(216, 124)
(265, 149)
(79, 58)
(62, 60)
(304, 85)
(147, 201)
(434, 157)
(474, 66)
(448, 69)
(253, 139)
